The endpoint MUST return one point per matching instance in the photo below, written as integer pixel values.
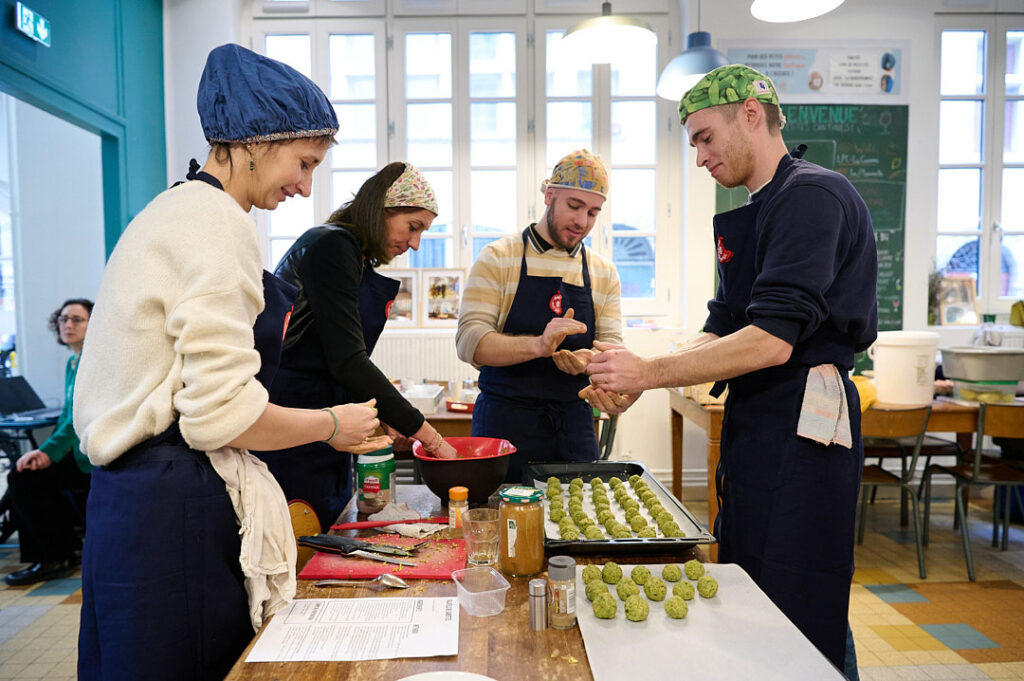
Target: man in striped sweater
(533, 306)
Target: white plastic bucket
(905, 366)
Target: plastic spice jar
(375, 480)
(521, 531)
(562, 592)
(458, 502)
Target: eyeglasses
(64, 319)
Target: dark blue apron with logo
(317, 473)
(163, 596)
(533, 405)
(787, 503)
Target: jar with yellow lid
(521, 531)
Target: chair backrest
(607, 438)
(996, 420)
(897, 423)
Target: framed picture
(405, 309)
(442, 292)
(958, 304)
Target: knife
(347, 546)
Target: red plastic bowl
(481, 467)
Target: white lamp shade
(598, 40)
(683, 72)
(784, 11)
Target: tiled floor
(905, 629)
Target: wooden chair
(891, 424)
(997, 421)
(881, 448)
(304, 522)
(606, 438)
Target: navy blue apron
(163, 595)
(533, 405)
(317, 473)
(787, 503)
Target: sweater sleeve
(719, 321)
(63, 439)
(802, 244)
(481, 304)
(331, 272)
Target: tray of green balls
(612, 507)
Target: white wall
(58, 234)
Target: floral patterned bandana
(411, 189)
(579, 170)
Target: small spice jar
(458, 501)
(562, 592)
(538, 605)
(521, 531)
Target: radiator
(421, 355)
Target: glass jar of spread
(521, 531)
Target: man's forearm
(500, 350)
(747, 350)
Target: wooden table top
(502, 646)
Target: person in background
(533, 306)
(167, 402)
(340, 312)
(796, 299)
(37, 485)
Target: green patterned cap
(725, 85)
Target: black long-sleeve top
(326, 332)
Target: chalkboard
(867, 144)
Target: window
(980, 230)
(456, 97)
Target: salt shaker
(538, 604)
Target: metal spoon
(386, 579)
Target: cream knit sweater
(171, 336)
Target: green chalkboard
(867, 144)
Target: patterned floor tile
(57, 587)
(896, 593)
(959, 636)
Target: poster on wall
(863, 72)
(442, 291)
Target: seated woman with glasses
(37, 485)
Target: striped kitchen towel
(824, 414)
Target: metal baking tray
(695, 532)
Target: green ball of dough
(676, 608)
(637, 523)
(565, 523)
(576, 482)
(591, 573)
(602, 505)
(684, 590)
(621, 532)
(614, 482)
(576, 514)
(584, 523)
(595, 589)
(596, 482)
(640, 574)
(647, 531)
(630, 503)
(675, 532)
(603, 516)
(636, 609)
(671, 573)
(611, 573)
(655, 589)
(647, 497)
(693, 568)
(626, 588)
(632, 513)
(593, 532)
(605, 606)
(570, 533)
(633, 479)
(556, 513)
(707, 586)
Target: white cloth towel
(825, 413)
(268, 552)
(395, 511)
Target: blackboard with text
(867, 144)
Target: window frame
(994, 99)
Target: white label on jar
(511, 533)
(570, 597)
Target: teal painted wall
(103, 72)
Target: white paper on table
(343, 629)
(739, 634)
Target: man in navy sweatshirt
(796, 299)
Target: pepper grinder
(538, 604)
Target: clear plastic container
(481, 590)
(990, 392)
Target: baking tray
(695, 532)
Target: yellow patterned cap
(579, 170)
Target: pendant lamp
(689, 66)
(597, 40)
(784, 11)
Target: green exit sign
(32, 24)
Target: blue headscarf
(245, 97)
